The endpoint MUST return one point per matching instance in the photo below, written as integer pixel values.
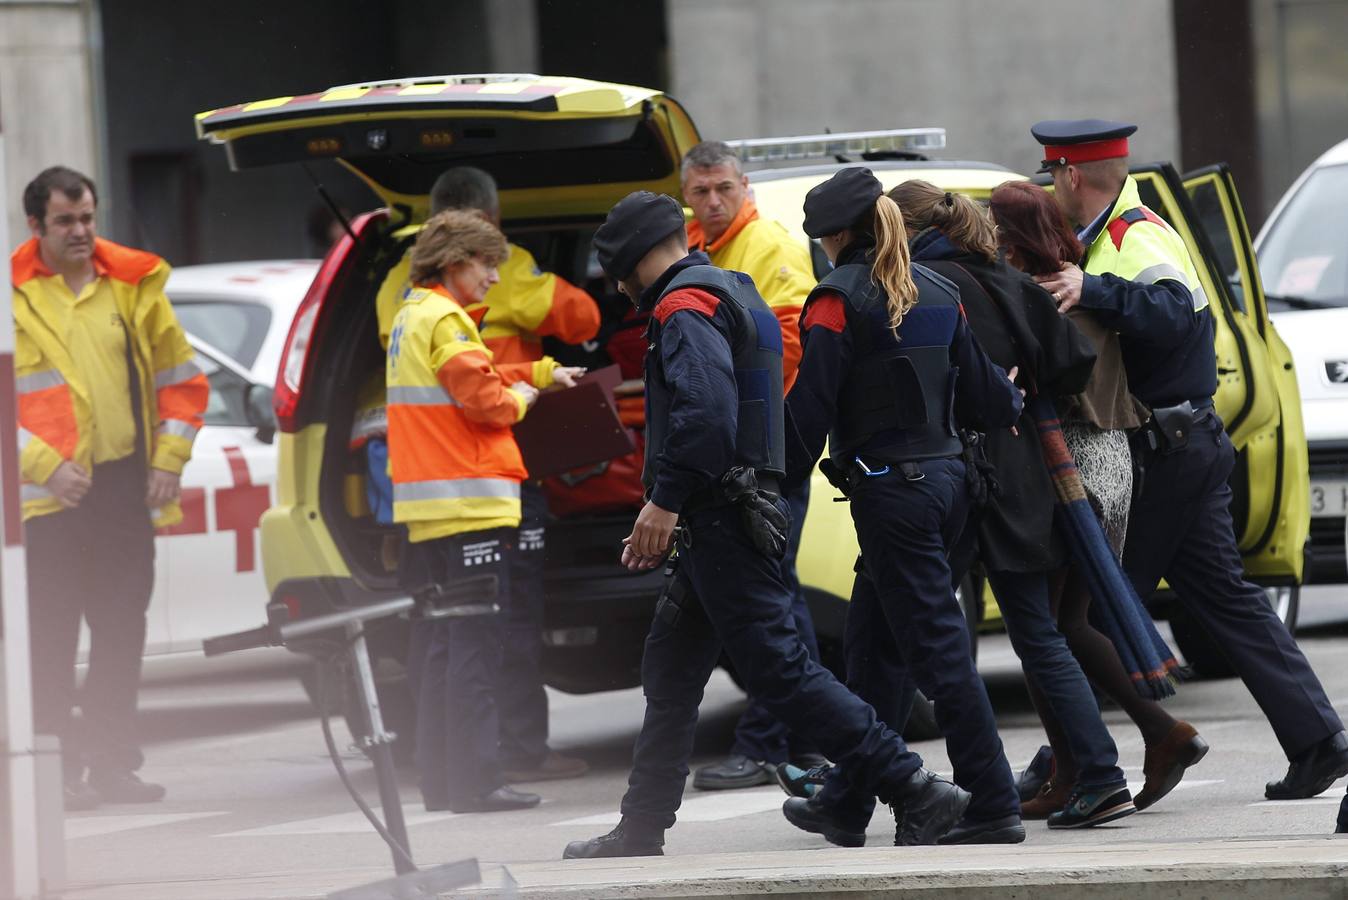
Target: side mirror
(257, 403)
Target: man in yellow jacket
(110, 400)
(728, 228)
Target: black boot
(925, 807)
(1313, 771)
(1341, 827)
(1006, 830)
(623, 840)
(812, 816)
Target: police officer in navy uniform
(1137, 278)
(714, 459)
(889, 368)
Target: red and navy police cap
(1075, 141)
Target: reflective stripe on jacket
(55, 413)
(452, 456)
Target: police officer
(1137, 278)
(714, 459)
(889, 366)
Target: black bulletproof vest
(756, 351)
(898, 399)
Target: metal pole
(377, 745)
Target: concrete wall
(984, 70)
(46, 97)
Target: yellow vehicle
(563, 151)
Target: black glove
(767, 525)
(980, 476)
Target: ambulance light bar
(489, 78)
(849, 143)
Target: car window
(1304, 255)
(1208, 204)
(235, 327)
(226, 403)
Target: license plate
(1329, 499)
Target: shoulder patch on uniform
(688, 298)
(826, 311)
(1127, 219)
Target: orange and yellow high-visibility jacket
(55, 412)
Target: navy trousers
(725, 592)
(759, 734)
(1180, 529)
(453, 665)
(521, 700)
(906, 529)
(1050, 665)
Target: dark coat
(1017, 324)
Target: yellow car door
(1272, 460)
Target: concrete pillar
(47, 93)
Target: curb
(1291, 869)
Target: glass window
(1304, 256)
(1208, 204)
(226, 403)
(236, 328)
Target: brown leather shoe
(1052, 797)
(1165, 763)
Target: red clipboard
(572, 427)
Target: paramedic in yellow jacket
(110, 400)
(526, 305)
(456, 486)
(726, 225)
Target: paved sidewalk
(1292, 869)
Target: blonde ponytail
(891, 269)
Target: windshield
(236, 328)
(1304, 257)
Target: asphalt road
(254, 809)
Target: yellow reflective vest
(452, 455)
(55, 411)
(1138, 245)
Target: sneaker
(799, 782)
(734, 771)
(78, 796)
(1087, 808)
(623, 840)
(554, 766)
(1036, 774)
(125, 787)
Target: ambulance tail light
(848, 144)
(296, 360)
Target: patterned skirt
(1106, 467)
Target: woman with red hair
(1034, 237)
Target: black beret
(841, 201)
(637, 223)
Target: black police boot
(812, 816)
(926, 807)
(1006, 830)
(124, 787)
(625, 839)
(735, 771)
(1341, 827)
(1313, 771)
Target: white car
(1303, 261)
(208, 569)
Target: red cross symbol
(239, 508)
